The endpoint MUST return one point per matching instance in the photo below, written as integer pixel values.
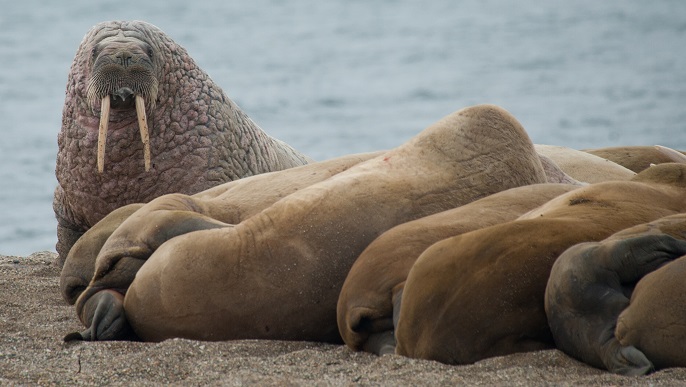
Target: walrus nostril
(123, 94)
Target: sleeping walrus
(481, 294)
(228, 203)
(141, 119)
(278, 274)
(618, 304)
(638, 158)
(366, 303)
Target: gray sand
(34, 318)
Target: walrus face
(122, 78)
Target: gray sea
(338, 77)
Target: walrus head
(122, 78)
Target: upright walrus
(140, 120)
(597, 316)
(481, 294)
(278, 274)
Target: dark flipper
(105, 317)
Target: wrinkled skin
(198, 138)
(590, 285)
(366, 303)
(277, 274)
(229, 203)
(481, 294)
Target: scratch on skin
(576, 201)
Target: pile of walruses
(466, 242)
(455, 247)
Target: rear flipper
(628, 361)
(383, 342)
(104, 315)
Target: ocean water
(338, 77)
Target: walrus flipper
(589, 286)
(381, 343)
(105, 317)
(628, 361)
(637, 256)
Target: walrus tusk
(143, 125)
(102, 132)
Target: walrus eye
(94, 52)
(148, 50)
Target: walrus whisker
(102, 131)
(143, 125)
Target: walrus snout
(123, 78)
(123, 98)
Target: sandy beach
(34, 318)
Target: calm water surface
(339, 77)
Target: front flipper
(104, 315)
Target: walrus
(638, 158)
(365, 305)
(278, 274)
(228, 203)
(654, 320)
(588, 294)
(584, 166)
(140, 120)
(481, 294)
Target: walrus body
(638, 158)
(584, 166)
(228, 203)
(654, 320)
(140, 120)
(591, 283)
(365, 305)
(277, 274)
(481, 294)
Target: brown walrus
(141, 119)
(654, 320)
(481, 294)
(228, 203)
(590, 285)
(365, 305)
(584, 166)
(278, 274)
(638, 158)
